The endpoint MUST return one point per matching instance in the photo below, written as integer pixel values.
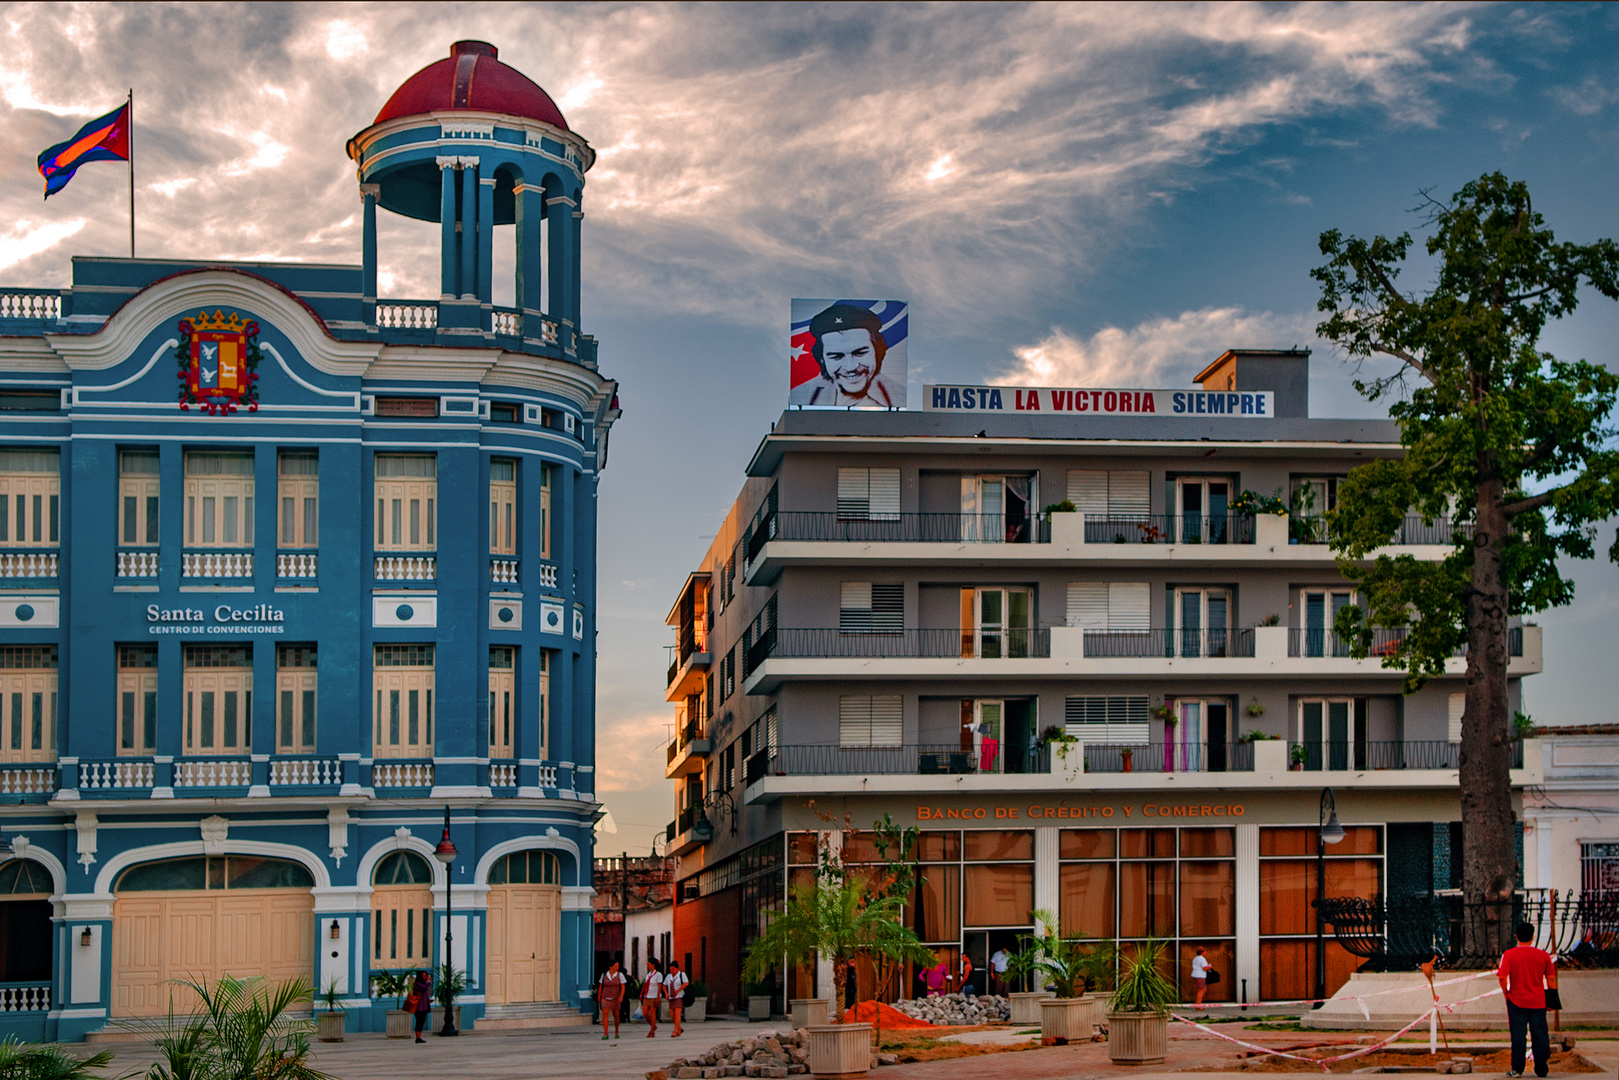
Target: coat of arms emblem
(219, 359)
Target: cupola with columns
(472, 143)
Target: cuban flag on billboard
(848, 353)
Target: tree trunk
(840, 976)
(1489, 862)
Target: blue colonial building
(285, 572)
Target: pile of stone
(958, 1009)
(774, 1054)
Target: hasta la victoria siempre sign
(1248, 404)
(219, 359)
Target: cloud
(1166, 351)
(28, 238)
(636, 760)
(1588, 98)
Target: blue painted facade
(89, 374)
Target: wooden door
(524, 927)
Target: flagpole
(130, 119)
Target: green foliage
(699, 989)
(240, 1030)
(394, 984)
(1068, 963)
(1523, 725)
(1255, 735)
(29, 1061)
(448, 984)
(331, 994)
(1252, 502)
(1142, 986)
(1298, 755)
(1065, 507)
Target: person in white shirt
(651, 994)
(1200, 976)
(998, 962)
(674, 988)
(610, 995)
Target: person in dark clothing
(420, 1001)
(1528, 978)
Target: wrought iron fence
(804, 644)
(1161, 757)
(1170, 642)
(1339, 754)
(1581, 930)
(1169, 528)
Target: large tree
(1507, 442)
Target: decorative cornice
(460, 118)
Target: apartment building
(1124, 712)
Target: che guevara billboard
(848, 353)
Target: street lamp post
(445, 854)
(1330, 832)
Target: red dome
(472, 79)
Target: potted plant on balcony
(329, 1025)
(1296, 757)
(394, 984)
(1065, 964)
(1255, 709)
(1138, 1012)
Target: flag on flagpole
(105, 138)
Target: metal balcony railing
(1154, 757)
(1383, 643)
(1169, 643)
(1169, 528)
(1348, 754)
(788, 643)
(955, 528)
(1316, 529)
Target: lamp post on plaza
(1330, 832)
(445, 853)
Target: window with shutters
(407, 406)
(137, 700)
(869, 607)
(27, 703)
(295, 698)
(402, 678)
(137, 498)
(218, 699)
(1110, 605)
(868, 494)
(502, 668)
(1319, 608)
(728, 674)
(1332, 732)
(1453, 717)
(876, 720)
(1121, 719)
(298, 486)
(1113, 492)
(502, 506)
(219, 499)
(30, 498)
(543, 703)
(546, 475)
(407, 502)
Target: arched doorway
(25, 935)
(524, 928)
(202, 917)
(401, 912)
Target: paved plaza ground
(580, 1054)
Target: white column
(824, 986)
(1047, 886)
(1247, 911)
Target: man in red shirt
(1526, 973)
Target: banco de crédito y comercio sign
(1241, 405)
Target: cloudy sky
(1082, 192)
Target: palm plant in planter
(1138, 1016)
(329, 1026)
(395, 984)
(449, 985)
(1068, 965)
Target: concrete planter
(840, 1050)
(1137, 1038)
(436, 1024)
(811, 1012)
(1026, 1005)
(1065, 1020)
(329, 1026)
(400, 1023)
(697, 1011)
(758, 1008)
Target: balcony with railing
(25, 997)
(689, 749)
(136, 564)
(216, 565)
(989, 757)
(1170, 642)
(28, 782)
(1316, 529)
(417, 567)
(402, 776)
(30, 567)
(297, 567)
(210, 774)
(1384, 641)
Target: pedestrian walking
(936, 977)
(967, 987)
(1200, 977)
(1528, 980)
(998, 963)
(610, 996)
(651, 994)
(674, 988)
(420, 1001)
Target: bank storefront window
(137, 498)
(403, 680)
(1174, 885)
(137, 700)
(30, 498)
(27, 703)
(1287, 890)
(295, 698)
(298, 484)
(407, 502)
(219, 499)
(218, 699)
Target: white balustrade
(27, 780)
(503, 776)
(25, 998)
(503, 571)
(305, 771)
(402, 774)
(236, 773)
(407, 315)
(216, 564)
(30, 305)
(548, 331)
(29, 564)
(548, 576)
(137, 564)
(508, 322)
(406, 568)
(548, 776)
(107, 775)
(295, 566)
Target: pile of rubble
(958, 1009)
(776, 1054)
